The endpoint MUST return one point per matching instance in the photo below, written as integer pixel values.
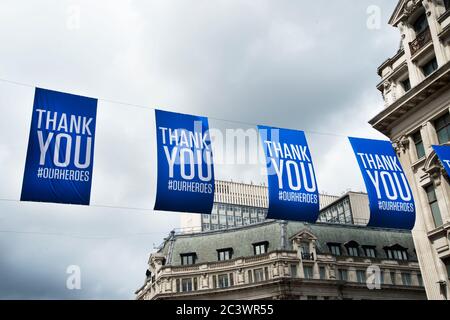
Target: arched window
(352, 248)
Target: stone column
(433, 12)
(408, 35)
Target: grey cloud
(306, 65)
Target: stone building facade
(285, 260)
(415, 84)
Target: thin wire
(91, 205)
(151, 108)
(68, 235)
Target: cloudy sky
(307, 65)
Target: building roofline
(341, 198)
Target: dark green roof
(206, 244)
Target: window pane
(406, 279)
(434, 206)
(342, 274)
(322, 273)
(436, 214)
(420, 24)
(186, 285)
(361, 276)
(442, 126)
(308, 271)
(420, 150)
(293, 271)
(393, 278)
(259, 275)
(223, 281)
(406, 85)
(429, 67)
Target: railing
(421, 40)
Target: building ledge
(410, 100)
(439, 232)
(445, 33)
(444, 16)
(287, 284)
(390, 61)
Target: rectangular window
(420, 149)
(419, 279)
(429, 67)
(406, 84)
(178, 285)
(370, 252)
(214, 281)
(360, 276)
(447, 4)
(406, 278)
(223, 281)
(322, 273)
(231, 280)
(293, 270)
(393, 278)
(250, 276)
(188, 258)
(397, 254)
(186, 285)
(266, 273)
(260, 248)
(343, 274)
(442, 126)
(259, 275)
(224, 254)
(434, 205)
(352, 251)
(335, 249)
(421, 24)
(308, 271)
(382, 277)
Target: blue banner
(293, 192)
(185, 163)
(390, 197)
(443, 153)
(60, 149)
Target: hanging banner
(185, 163)
(443, 153)
(390, 197)
(60, 149)
(293, 192)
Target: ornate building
(281, 260)
(416, 89)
